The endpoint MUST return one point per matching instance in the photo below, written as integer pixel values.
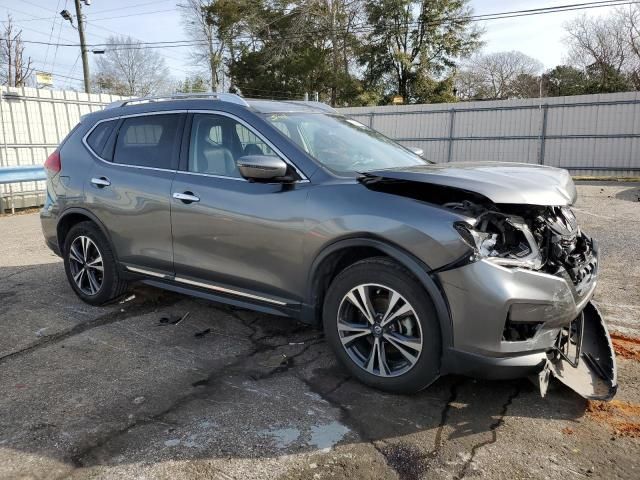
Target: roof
(260, 106)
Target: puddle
(283, 437)
(324, 437)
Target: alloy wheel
(379, 330)
(86, 265)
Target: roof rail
(223, 97)
(317, 105)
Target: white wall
(32, 124)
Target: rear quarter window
(99, 135)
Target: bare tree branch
(127, 68)
(15, 71)
(496, 75)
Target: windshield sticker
(277, 116)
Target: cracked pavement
(124, 392)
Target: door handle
(186, 197)
(101, 182)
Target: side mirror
(261, 167)
(418, 151)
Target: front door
(130, 189)
(228, 232)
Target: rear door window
(98, 137)
(149, 141)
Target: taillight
(53, 162)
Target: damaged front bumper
(506, 323)
(583, 359)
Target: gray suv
(413, 269)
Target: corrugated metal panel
(596, 132)
(32, 123)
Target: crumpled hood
(500, 182)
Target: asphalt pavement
(139, 390)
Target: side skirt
(288, 310)
(214, 292)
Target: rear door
(130, 187)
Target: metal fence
(586, 134)
(32, 123)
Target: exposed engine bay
(549, 239)
(540, 238)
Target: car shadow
(139, 381)
(631, 194)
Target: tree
(602, 48)
(127, 68)
(597, 41)
(630, 19)
(336, 21)
(343, 49)
(410, 40)
(564, 80)
(603, 78)
(16, 70)
(499, 75)
(200, 28)
(284, 50)
(193, 84)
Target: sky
(538, 36)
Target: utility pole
(83, 45)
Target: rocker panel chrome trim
(227, 290)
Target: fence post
(543, 133)
(371, 115)
(452, 119)
(2, 158)
(5, 156)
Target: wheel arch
(73, 216)
(327, 265)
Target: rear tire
(390, 341)
(90, 265)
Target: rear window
(98, 137)
(148, 141)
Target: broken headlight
(501, 239)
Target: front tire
(90, 265)
(382, 325)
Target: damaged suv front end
(520, 298)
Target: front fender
(417, 267)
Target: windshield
(343, 145)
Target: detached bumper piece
(583, 358)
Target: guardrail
(9, 175)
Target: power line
(98, 12)
(133, 6)
(70, 42)
(365, 27)
(134, 14)
(55, 74)
(37, 6)
(53, 26)
(55, 53)
(120, 33)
